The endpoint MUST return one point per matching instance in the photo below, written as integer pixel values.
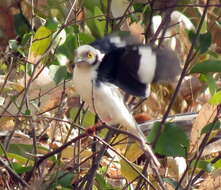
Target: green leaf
(22, 25)
(65, 180)
(19, 169)
(72, 113)
(211, 126)
(208, 78)
(153, 133)
(172, 141)
(19, 159)
(101, 183)
(213, 54)
(27, 112)
(68, 47)
(52, 24)
(85, 38)
(216, 98)
(172, 182)
(89, 119)
(65, 188)
(203, 41)
(26, 150)
(97, 24)
(204, 165)
(41, 41)
(217, 164)
(91, 4)
(25, 38)
(58, 73)
(138, 7)
(207, 66)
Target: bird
(115, 62)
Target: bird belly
(109, 105)
(106, 100)
(83, 85)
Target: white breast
(106, 101)
(82, 79)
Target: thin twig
(126, 160)
(148, 28)
(108, 16)
(144, 172)
(202, 147)
(183, 74)
(124, 14)
(15, 175)
(200, 174)
(70, 11)
(96, 161)
(7, 76)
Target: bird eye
(89, 55)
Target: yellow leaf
(6, 123)
(133, 152)
(68, 153)
(41, 43)
(128, 172)
(121, 142)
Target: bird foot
(92, 129)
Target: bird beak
(78, 60)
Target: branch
(15, 175)
(183, 74)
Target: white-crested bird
(112, 62)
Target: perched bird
(112, 63)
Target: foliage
(48, 145)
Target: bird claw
(92, 129)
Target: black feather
(120, 67)
(105, 44)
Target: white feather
(105, 100)
(147, 65)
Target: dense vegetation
(46, 142)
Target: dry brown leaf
(6, 124)
(212, 148)
(135, 29)
(211, 183)
(6, 27)
(169, 187)
(21, 138)
(176, 167)
(191, 88)
(142, 117)
(205, 116)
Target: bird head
(87, 56)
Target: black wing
(121, 65)
(168, 65)
(114, 41)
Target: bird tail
(145, 147)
